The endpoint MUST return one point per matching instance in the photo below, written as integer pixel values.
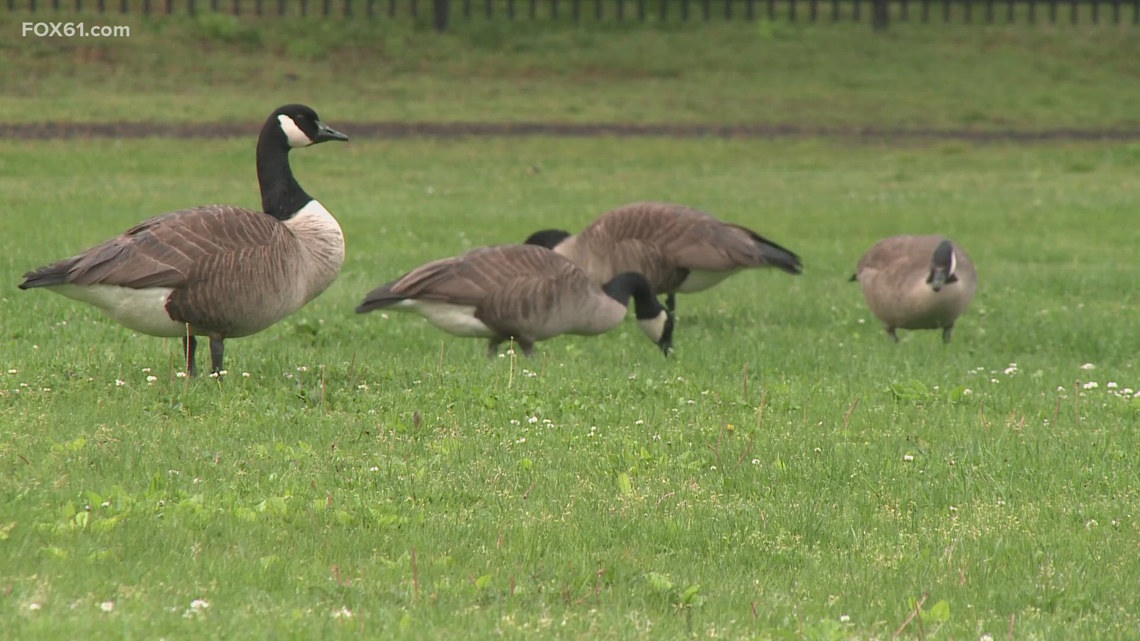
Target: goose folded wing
(172, 250)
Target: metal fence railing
(442, 13)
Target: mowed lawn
(787, 473)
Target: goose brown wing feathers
(173, 250)
(469, 279)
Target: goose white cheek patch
(953, 264)
(297, 138)
(654, 327)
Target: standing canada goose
(678, 248)
(917, 282)
(521, 292)
(217, 270)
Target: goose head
(548, 238)
(302, 127)
(942, 267)
(654, 320)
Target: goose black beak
(326, 133)
(937, 279)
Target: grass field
(220, 68)
(788, 473)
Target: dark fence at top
(441, 12)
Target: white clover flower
(119, 383)
(34, 606)
(514, 421)
(1088, 366)
(199, 604)
(342, 613)
(639, 422)
(532, 420)
(843, 618)
(181, 374)
(1090, 385)
(1111, 385)
(908, 457)
(146, 370)
(521, 440)
(302, 369)
(245, 374)
(16, 371)
(151, 379)
(107, 606)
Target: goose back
(224, 269)
(521, 291)
(678, 248)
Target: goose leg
(946, 331)
(527, 346)
(671, 302)
(892, 334)
(189, 346)
(493, 347)
(216, 350)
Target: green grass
(213, 68)
(788, 474)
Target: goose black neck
(281, 196)
(632, 284)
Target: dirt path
(65, 130)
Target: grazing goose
(522, 292)
(678, 248)
(217, 270)
(917, 282)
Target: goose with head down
(522, 293)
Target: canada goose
(217, 270)
(678, 248)
(522, 292)
(917, 282)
